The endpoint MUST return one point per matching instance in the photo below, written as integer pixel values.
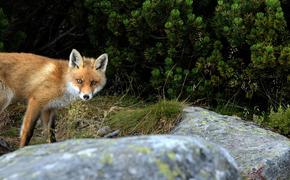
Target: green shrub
(153, 42)
(255, 42)
(240, 50)
(278, 120)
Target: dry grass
(10, 121)
(83, 119)
(5, 120)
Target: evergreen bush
(230, 50)
(240, 50)
(256, 46)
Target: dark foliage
(50, 28)
(229, 50)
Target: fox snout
(85, 96)
(81, 92)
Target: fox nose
(86, 97)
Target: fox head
(86, 76)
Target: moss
(107, 159)
(166, 171)
(205, 174)
(171, 156)
(203, 122)
(141, 149)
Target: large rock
(260, 153)
(145, 157)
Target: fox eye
(79, 81)
(93, 83)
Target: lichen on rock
(143, 157)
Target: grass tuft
(156, 118)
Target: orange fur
(47, 84)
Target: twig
(57, 39)
(167, 77)
(183, 84)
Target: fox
(48, 84)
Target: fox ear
(75, 59)
(101, 62)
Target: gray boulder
(144, 157)
(260, 153)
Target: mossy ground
(83, 119)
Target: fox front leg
(29, 121)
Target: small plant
(278, 120)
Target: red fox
(47, 85)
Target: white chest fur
(62, 101)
